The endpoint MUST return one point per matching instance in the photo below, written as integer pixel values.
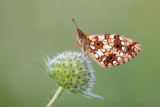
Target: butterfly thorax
(84, 45)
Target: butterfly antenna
(76, 23)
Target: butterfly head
(79, 34)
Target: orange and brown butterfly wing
(111, 49)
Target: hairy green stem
(55, 97)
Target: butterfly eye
(80, 34)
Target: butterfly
(107, 49)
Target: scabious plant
(72, 73)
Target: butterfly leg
(87, 58)
(75, 45)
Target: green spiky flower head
(72, 72)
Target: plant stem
(55, 97)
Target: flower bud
(71, 71)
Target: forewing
(111, 49)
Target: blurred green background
(33, 29)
